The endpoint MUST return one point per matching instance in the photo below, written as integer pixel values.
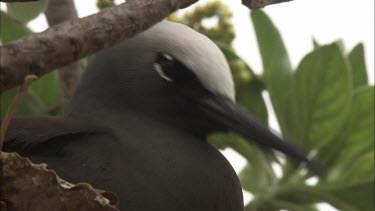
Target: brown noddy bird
(139, 121)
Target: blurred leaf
(340, 43)
(221, 32)
(10, 29)
(47, 88)
(315, 43)
(276, 64)
(30, 105)
(249, 96)
(286, 205)
(307, 195)
(322, 94)
(359, 169)
(351, 156)
(26, 11)
(101, 4)
(359, 196)
(249, 179)
(256, 158)
(358, 65)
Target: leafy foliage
(325, 105)
(26, 11)
(42, 97)
(101, 4)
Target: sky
(299, 22)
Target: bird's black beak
(232, 117)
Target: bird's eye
(174, 71)
(165, 66)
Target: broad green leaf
(10, 29)
(350, 155)
(359, 196)
(264, 174)
(307, 195)
(286, 205)
(358, 65)
(322, 92)
(47, 87)
(26, 11)
(250, 179)
(30, 105)
(276, 64)
(249, 96)
(315, 44)
(357, 170)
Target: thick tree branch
(257, 4)
(12, 1)
(72, 40)
(56, 12)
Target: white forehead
(197, 52)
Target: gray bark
(56, 12)
(72, 40)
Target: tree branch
(12, 1)
(72, 40)
(56, 12)
(257, 4)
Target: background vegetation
(325, 105)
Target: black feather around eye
(172, 70)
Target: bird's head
(174, 75)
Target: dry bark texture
(257, 4)
(72, 40)
(26, 186)
(11, 1)
(57, 12)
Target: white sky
(299, 21)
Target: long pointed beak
(233, 117)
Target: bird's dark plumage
(138, 124)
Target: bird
(138, 124)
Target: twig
(13, 1)
(67, 42)
(14, 105)
(57, 12)
(70, 41)
(257, 4)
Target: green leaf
(250, 179)
(276, 64)
(359, 169)
(10, 29)
(286, 205)
(359, 196)
(315, 43)
(358, 65)
(351, 155)
(30, 105)
(26, 11)
(337, 196)
(249, 96)
(47, 88)
(264, 174)
(322, 92)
